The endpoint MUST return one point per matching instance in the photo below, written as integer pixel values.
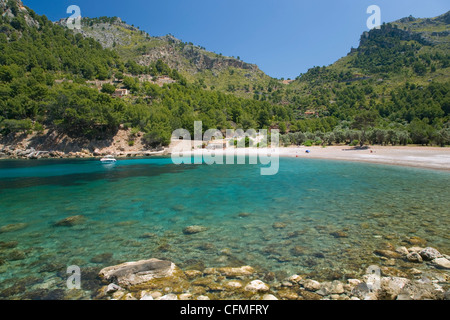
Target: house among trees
(119, 93)
(311, 113)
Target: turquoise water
(137, 210)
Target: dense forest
(46, 75)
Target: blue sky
(283, 37)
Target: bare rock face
(135, 273)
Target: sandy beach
(424, 157)
(412, 156)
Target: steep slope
(54, 79)
(210, 70)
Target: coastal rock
(402, 250)
(244, 214)
(311, 285)
(287, 294)
(71, 221)
(295, 278)
(134, 273)
(337, 287)
(390, 287)
(279, 225)
(388, 254)
(269, 297)
(233, 272)
(417, 241)
(441, 263)
(339, 234)
(362, 292)
(112, 288)
(421, 291)
(16, 255)
(308, 295)
(192, 274)
(415, 249)
(233, 285)
(13, 227)
(414, 257)
(102, 258)
(298, 251)
(327, 288)
(8, 244)
(256, 285)
(168, 297)
(194, 229)
(353, 282)
(429, 254)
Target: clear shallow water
(137, 210)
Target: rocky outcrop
(161, 280)
(52, 144)
(136, 273)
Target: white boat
(108, 159)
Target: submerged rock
(417, 241)
(169, 297)
(391, 287)
(13, 227)
(388, 254)
(429, 254)
(269, 297)
(414, 257)
(441, 263)
(339, 234)
(134, 273)
(402, 250)
(231, 272)
(244, 214)
(71, 221)
(279, 225)
(298, 251)
(311, 285)
(256, 285)
(102, 258)
(194, 229)
(8, 245)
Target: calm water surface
(137, 210)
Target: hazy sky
(283, 37)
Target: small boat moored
(108, 159)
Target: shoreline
(436, 158)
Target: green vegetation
(394, 89)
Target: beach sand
(424, 157)
(413, 156)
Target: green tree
(108, 88)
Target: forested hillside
(392, 89)
(45, 78)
